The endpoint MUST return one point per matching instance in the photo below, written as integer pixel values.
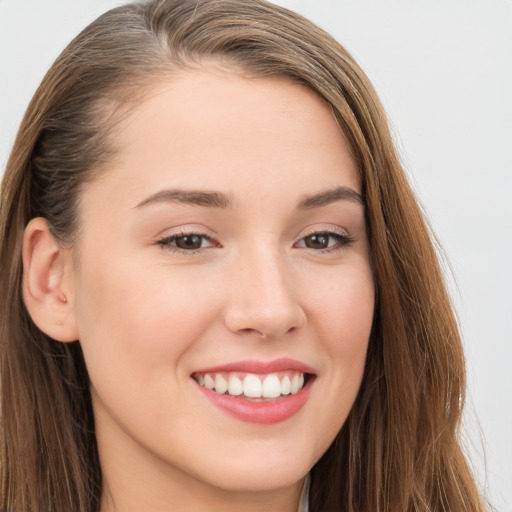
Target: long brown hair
(399, 449)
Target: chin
(259, 471)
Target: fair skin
(278, 270)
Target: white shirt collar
(304, 497)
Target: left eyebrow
(330, 196)
(192, 197)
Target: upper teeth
(271, 385)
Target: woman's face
(225, 247)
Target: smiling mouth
(252, 386)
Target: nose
(263, 297)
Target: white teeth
(294, 388)
(272, 385)
(252, 386)
(285, 386)
(209, 383)
(236, 386)
(221, 384)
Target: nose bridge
(264, 299)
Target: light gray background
(443, 69)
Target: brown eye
(189, 242)
(317, 241)
(186, 243)
(325, 241)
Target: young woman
(219, 290)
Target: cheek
(345, 311)
(344, 314)
(134, 321)
(352, 317)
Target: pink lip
(277, 365)
(263, 413)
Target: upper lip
(253, 366)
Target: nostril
(264, 322)
(264, 335)
(249, 330)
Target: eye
(186, 242)
(325, 241)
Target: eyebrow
(194, 197)
(331, 196)
(211, 199)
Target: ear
(48, 282)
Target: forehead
(212, 128)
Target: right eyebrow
(330, 196)
(208, 199)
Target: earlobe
(48, 282)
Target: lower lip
(264, 413)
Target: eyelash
(167, 242)
(342, 241)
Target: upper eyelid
(319, 229)
(173, 236)
(302, 234)
(334, 234)
(212, 235)
(342, 234)
(185, 231)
